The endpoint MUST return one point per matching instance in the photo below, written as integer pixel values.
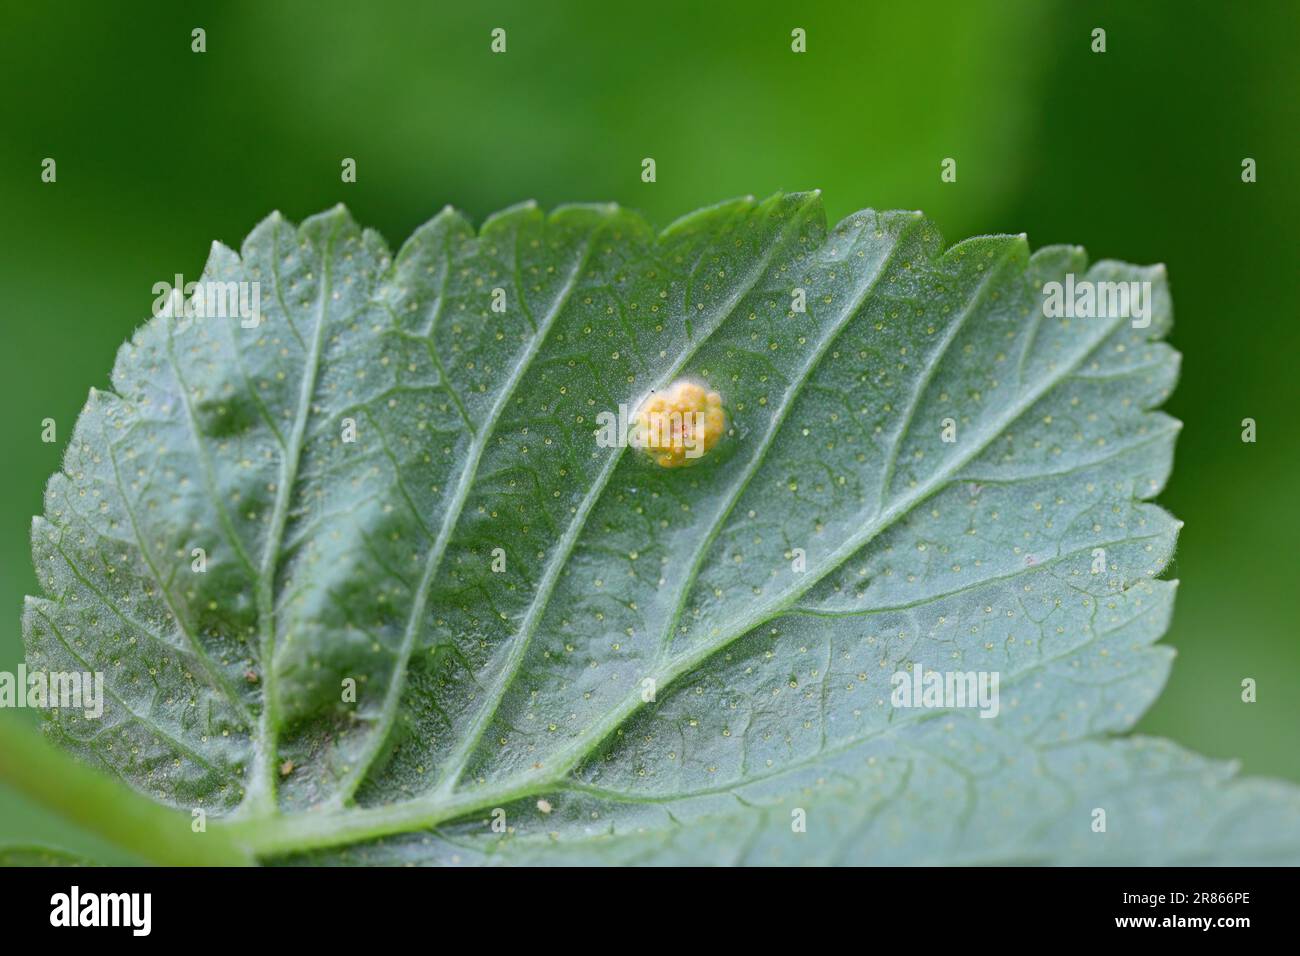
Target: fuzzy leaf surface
(921, 468)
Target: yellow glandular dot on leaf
(678, 425)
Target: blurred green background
(1135, 153)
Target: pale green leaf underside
(371, 560)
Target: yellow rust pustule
(678, 425)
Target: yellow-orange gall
(679, 424)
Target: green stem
(102, 805)
(284, 835)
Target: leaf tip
(504, 219)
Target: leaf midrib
(788, 398)
(1031, 670)
(772, 609)
(459, 759)
(392, 698)
(261, 795)
(307, 832)
(438, 806)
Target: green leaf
(60, 783)
(523, 691)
